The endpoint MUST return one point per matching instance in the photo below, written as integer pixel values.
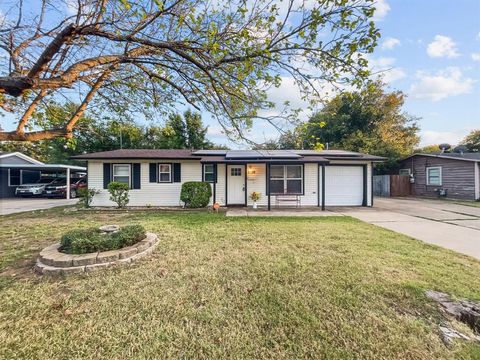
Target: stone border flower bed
(54, 262)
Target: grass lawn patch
(219, 287)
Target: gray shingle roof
(230, 155)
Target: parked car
(35, 189)
(59, 189)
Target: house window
(209, 173)
(121, 173)
(164, 173)
(404, 172)
(236, 171)
(14, 177)
(434, 175)
(286, 179)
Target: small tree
(87, 196)
(119, 193)
(196, 194)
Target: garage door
(343, 185)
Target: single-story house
(454, 175)
(282, 177)
(19, 169)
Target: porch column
(323, 187)
(267, 166)
(68, 183)
(214, 184)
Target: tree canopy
(370, 120)
(472, 141)
(93, 134)
(147, 56)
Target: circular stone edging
(54, 262)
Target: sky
(429, 49)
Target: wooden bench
(289, 199)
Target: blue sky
(430, 49)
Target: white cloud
(215, 131)
(381, 10)
(476, 56)
(442, 46)
(444, 83)
(429, 137)
(390, 43)
(385, 67)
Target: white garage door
(343, 185)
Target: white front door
(236, 184)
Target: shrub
(87, 196)
(196, 194)
(119, 193)
(83, 241)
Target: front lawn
(239, 288)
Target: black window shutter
(177, 172)
(153, 172)
(136, 176)
(106, 175)
(215, 171)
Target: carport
(58, 169)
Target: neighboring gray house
(282, 177)
(455, 175)
(19, 169)
(12, 176)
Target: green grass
(218, 287)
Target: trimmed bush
(119, 193)
(196, 194)
(83, 241)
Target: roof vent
(444, 147)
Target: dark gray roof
(456, 156)
(139, 154)
(232, 155)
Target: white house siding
(168, 194)
(256, 181)
(155, 194)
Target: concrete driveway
(452, 226)
(17, 205)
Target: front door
(236, 185)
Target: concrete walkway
(452, 226)
(17, 205)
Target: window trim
(163, 172)
(408, 169)
(204, 178)
(285, 179)
(427, 170)
(129, 172)
(21, 178)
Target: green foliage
(86, 196)
(221, 57)
(370, 121)
(472, 141)
(119, 193)
(429, 149)
(196, 194)
(83, 241)
(95, 133)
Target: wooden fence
(391, 185)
